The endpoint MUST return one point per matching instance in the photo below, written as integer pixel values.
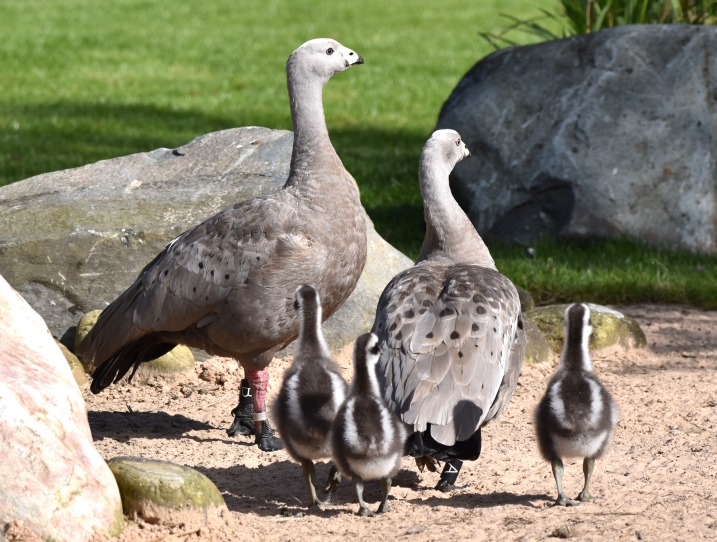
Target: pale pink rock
(51, 477)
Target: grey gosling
(311, 394)
(577, 415)
(450, 328)
(367, 437)
(227, 285)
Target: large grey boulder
(73, 240)
(596, 135)
(52, 479)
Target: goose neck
(449, 232)
(311, 137)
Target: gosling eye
(458, 142)
(330, 51)
(296, 305)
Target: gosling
(367, 437)
(311, 394)
(577, 415)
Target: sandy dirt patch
(657, 482)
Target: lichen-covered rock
(52, 479)
(73, 240)
(78, 371)
(162, 491)
(537, 349)
(86, 323)
(526, 300)
(610, 327)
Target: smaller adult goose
(367, 437)
(577, 415)
(449, 328)
(311, 394)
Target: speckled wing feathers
(447, 335)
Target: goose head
(446, 145)
(322, 58)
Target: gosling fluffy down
(577, 416)
(367, 437)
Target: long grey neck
(312, 146)
(449, 232)
(311, 343)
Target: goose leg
(447, 481)
(333, 481)
(243, 423)
(562, 500)
(588, 466)
(265, 436)
(358, 486)
(385, 488)
(307, 466)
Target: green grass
(82, 80)
(618, 271)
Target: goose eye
(329, 51)
(458, 142)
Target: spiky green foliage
(584, 16)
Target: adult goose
(227, 285)
(450, 328)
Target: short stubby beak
(359, 60)
(466, 152)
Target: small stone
(160, 491)
(537, 349)
(526, 300)
(78, 371)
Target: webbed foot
(333, 481)
(267, 440)
(585, 496)
(564, 501)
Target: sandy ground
(657, 482)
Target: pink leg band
(259, 381)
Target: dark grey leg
(588, 466)
(562, 500)
(385, 488)
(307, 466)
(333, 481)
(358, 486)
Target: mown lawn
(82, 80)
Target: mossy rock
(526, 300)
(537, 349)
(78, 371)
(610, 327)
(157, 490)
(174, 364)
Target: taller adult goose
(450, 328)
(227, 285)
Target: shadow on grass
(62, 135)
